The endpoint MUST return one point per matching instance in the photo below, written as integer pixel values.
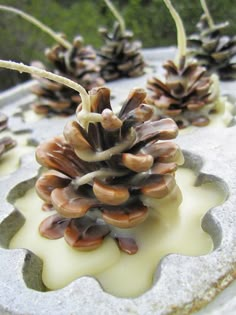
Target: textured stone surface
(182, 284)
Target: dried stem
(39, 24)
(51, 76)
(85, 117)
(207, 13)
(102, 173)
(181, 35)
(90, 156)
(117, 15)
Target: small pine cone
(77, 64)
(213, 49)
(187, 95)
(98, 176)
(120, 57)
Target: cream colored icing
(10, 160)
(170, 228)
(30, 116)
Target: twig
(181, 35)
(39, 24)
(102, 173)
(207, 13)
(117, 15)
(97, 156)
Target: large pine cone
(77, 64)
(97, 177)
(120, 57)
(6, 143)
(213, 49)
(187, 95)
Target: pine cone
(213, 49)
(120, 56)
(187, 95)
(97, 178)
(77, 64)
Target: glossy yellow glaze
(170, 228)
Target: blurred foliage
(148, 19)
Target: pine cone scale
(53, 227)
(71, 204)
(163, 152)
(164, 129)
(164, 168)
(76, 236)
(134, 216)
(48, 182)
(110, 195)
(137, 162)
(159, 187)
(127, 245)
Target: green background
(148, 19)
